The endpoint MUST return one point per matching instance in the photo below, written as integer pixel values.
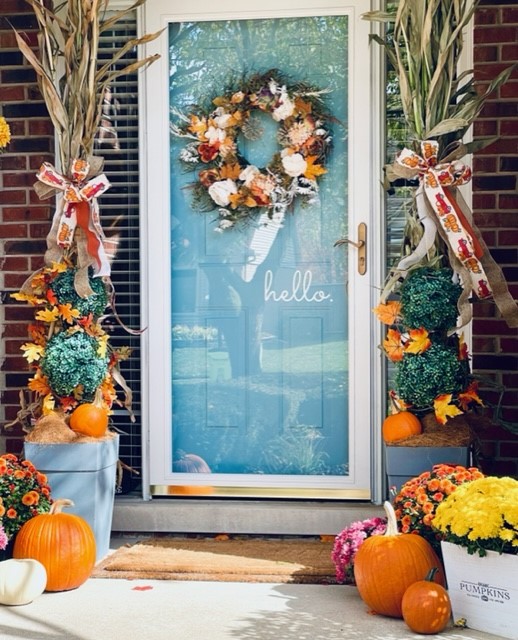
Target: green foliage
(429, 299)
(420, 378)
(63, 288)
(72, 360)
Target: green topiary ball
(63, 288)
(420, 378)
(429, 299)
(72, 359)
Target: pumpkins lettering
(385, 566)
(400, 426)
(21, 581)
(426, 606)
(64, 543)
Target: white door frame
(366, 390)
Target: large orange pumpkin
(64, 543)
(426, 606)
(400, 426)
(89, 419)
(385, 566)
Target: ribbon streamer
(441, 209)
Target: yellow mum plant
(5, 133)
(481, 515)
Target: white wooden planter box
(483, 591)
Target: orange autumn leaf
(393, 345)
(39, 385)
(231, 171)
(313, 170)
(388, 312)
(198, 126)
(444, 408)
(38, 333)
(68, 313)
(418, 341)
(469, 396)
(302, 106)
(67, 403)
(463, 348)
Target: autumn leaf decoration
(393, 345)
(388, 312)
(444, 408)
(418, 341)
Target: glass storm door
(256, 333)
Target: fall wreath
(226, 180)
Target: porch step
(277, 517)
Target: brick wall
(495, 210)
(25, 220)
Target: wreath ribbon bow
(441, 209)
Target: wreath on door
(226, 180)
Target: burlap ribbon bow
(442, 209)
(76, 217)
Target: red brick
(484, 201)
(508, 237)
(11, 93)
(509, 53)
(12, 197)
(491, 327)
(509, 128)
(502, 146)
(41, 127)
(486, 16)
(14, 281)
(483, 128)
(18, 180)
(485, 164)
(13, 231)
(8, 162)
(12, 263)
(485, 54)
(509, 90)
(507, 201)
(510, 15)
(15, 330)
(12, 214)
(497, 219)
(495, 35)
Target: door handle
(360, 244)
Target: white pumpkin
(21, 581)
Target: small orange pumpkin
(400, 426)
(385, 566)
(64, 543)
(190, 463)
(90, 418)
(426, 606)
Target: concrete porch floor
(116, 609)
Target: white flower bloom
(248, 174)
(224, 121)
(284, 110)
(273, 86)
(215, 134)
(294, 164)
(225, 224)
(221, 190)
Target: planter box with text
(483, 591)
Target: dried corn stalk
(70, 79)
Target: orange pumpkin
(190, 463)
(426, 606)
(385, 566)
(64, 543)
(400, 426)
(90, 419)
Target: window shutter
(117, 142)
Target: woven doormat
(223, 560)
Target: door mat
(223, 560)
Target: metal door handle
(361, 245)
